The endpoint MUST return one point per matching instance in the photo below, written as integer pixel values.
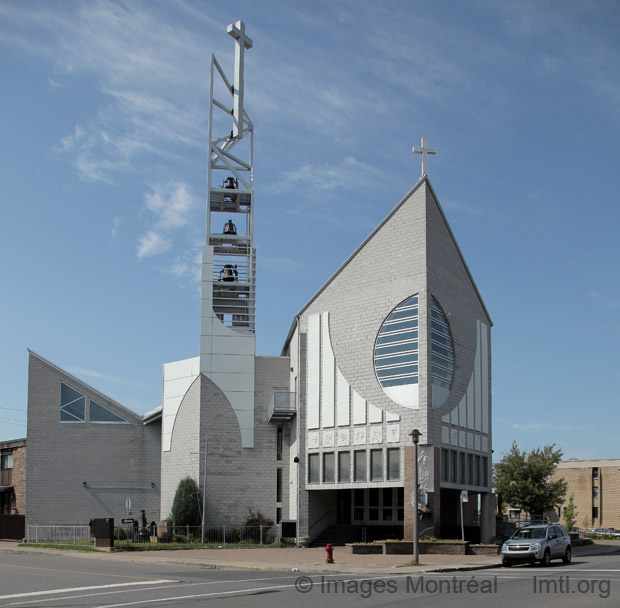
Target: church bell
(230, 228)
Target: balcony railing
(281, 406)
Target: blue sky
(104, 109)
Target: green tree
(523, 480)
(570, 513)
(187, 504)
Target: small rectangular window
(387, 497)
(7, 462)
(376, 465)
(594, 513)
(393, 464)
(445, 464)
(344, 467)
(279, 443)
(485, 471)
(594, 472)
(454, 455)
(594, 491)
(373, 501)
(358, 505)
(278, 485)
(360, 465)
(313, 468)
(329, 467)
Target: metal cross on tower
(424, 150)
(242, 42)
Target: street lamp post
(415, 435)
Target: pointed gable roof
(148, 417)
(423, 181)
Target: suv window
(530, 533)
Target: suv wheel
(546, 560)
(506, 563)
(567, 556)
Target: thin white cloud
(152, 243)
(530, 426)
(349, 174)
(603, 300)
(284, 266)
(134, 53)
(89, 373)
(461, 207)
(171, 207)
(116, 224)
(187, 268)
(171, 203)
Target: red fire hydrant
(330, 553)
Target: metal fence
(221, 535)
(58, 534)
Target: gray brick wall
(243, 480)
(183, 459)
(117, 461)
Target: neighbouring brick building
(397, 339)
(12, 488)
(595, 484)
(13, 477)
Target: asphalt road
(64, 581)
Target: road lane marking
(140, 578)
(189, 597)
(72, 589)
(177, 585)
(259, 589)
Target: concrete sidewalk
(310, 560)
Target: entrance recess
(371, 506)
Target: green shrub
(187, 504)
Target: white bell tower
(227, 341)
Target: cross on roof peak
(424, 150)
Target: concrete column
(487, 517)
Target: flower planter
(483, 550)
(366, 549)
(399, 548)
(443, 548)
(426, 547)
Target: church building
(322, 434)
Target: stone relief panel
(393, 433)
(359, 436)
(343, 437)
(313, 440)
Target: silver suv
(539, 543)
